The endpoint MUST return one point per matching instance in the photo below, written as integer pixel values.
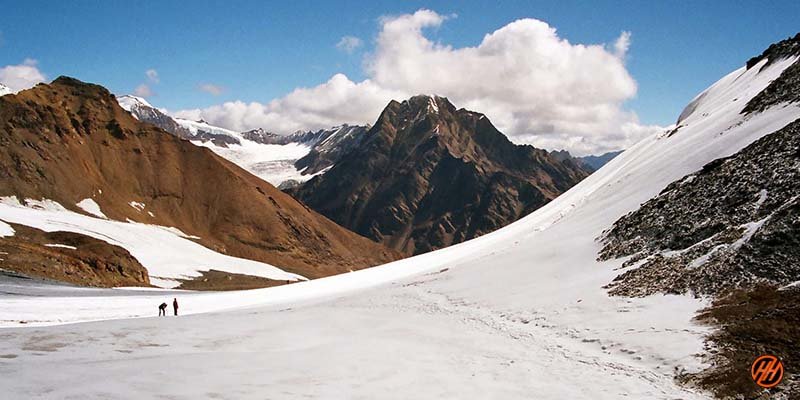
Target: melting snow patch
(6, 229)
(63, 246)
(137, 205)
(762, 197)
(700, 261)
(174, 230)
(750, 229)
(432, 104)
(91, 207)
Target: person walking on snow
(175, 306)
(162, 310)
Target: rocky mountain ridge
(428, 175)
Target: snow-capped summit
(142, 110)
(4, 90)
(131, 102)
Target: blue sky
(258, 51)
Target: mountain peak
(431, 103)
(428, 175)
(69, 81)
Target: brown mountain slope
(428, 175)
(69, 140)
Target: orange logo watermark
(767, 371)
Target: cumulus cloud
(535, 86)
(21, 76)
(336, 101)
(152, 75)
(143, 90)
(212, 89)
(349, 44)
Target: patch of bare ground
(751, 322)
(220, 280)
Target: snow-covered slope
(517, 313)
(201, 126)
(166, 252)
(130, 103)
(4, 90)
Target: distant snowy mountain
(4, 90)
(143, 111)
(592, 161)
(282, 160)
(595, 162)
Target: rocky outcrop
(428, 175)
(777, 51)
(785, 89)
(69, 140)
(732, 224)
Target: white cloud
(152, 75)
(21, 76)
(622, 44)
(143, 90)
(349, 44)
(212, 89)
(336, 101)
(534, 86)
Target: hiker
(175, 306)
(162, 310)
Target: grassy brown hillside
(70, 140)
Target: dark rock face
(733, 224)
(776, 51)
(261, 136)
(428, 175)
(785, 89)
(217, 139)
